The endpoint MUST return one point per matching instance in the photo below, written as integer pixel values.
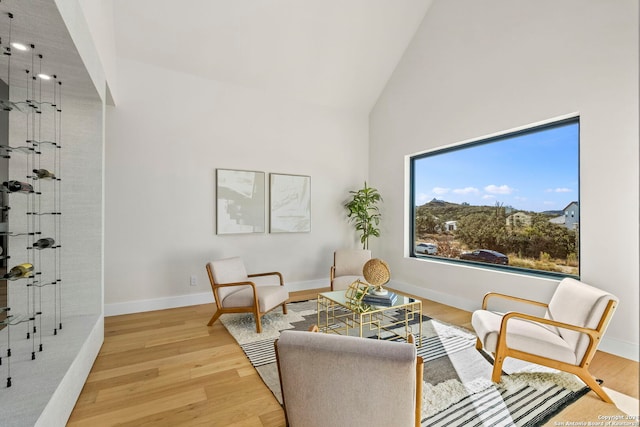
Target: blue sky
(537, 171)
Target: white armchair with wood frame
(347, 267)
(235, 291)
(566, 338)
(339, 380)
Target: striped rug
(457, 389)
(261, 352)
(525, 406)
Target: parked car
(486, 255)
(427, 248)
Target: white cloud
(422, 198)
(488, 196)
(549, 203)
(466, 190)
(440, 191)
(495, 189)
(558, 190)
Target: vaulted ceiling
(338, 53)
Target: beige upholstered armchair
(347, 267)
(235, 291)
(336, 380)
(566, 338)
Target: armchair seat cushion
(268, 297)
(523, 335)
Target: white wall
(165, 139)
(476, 68)
(98, 15)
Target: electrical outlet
(194, 280)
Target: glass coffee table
(337, 314)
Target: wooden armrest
(271, 273)
(485, 300)
(225, 285)
(593, 333)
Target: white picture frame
(240, 201)
(290, 203)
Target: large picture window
(509, 201)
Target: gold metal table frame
(336, 314)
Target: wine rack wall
(30, 205)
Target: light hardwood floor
(167, 368)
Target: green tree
(426, 223)
(544, 236)
(483, 230)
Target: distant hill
(448, 211)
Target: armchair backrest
(228, 270)
(330, 380)
(349, 262)
(579, 304)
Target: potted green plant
(364, 213)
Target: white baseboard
(140, 306)
(164, 303)
(620, 348)
(308, 284)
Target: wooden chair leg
(594, 386)
(258, 324)
(214, 318)
(256, 314)
(478, 344)
(497, 372)
(284, 308)
(498, 360)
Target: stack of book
(385, 300)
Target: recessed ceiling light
(19, 46)
(44, 76)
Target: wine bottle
(19, 271)
(44, 174)
(18, 186)
(44, 243)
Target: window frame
(550, 124)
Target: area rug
(457, 391)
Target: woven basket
(376, 272)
